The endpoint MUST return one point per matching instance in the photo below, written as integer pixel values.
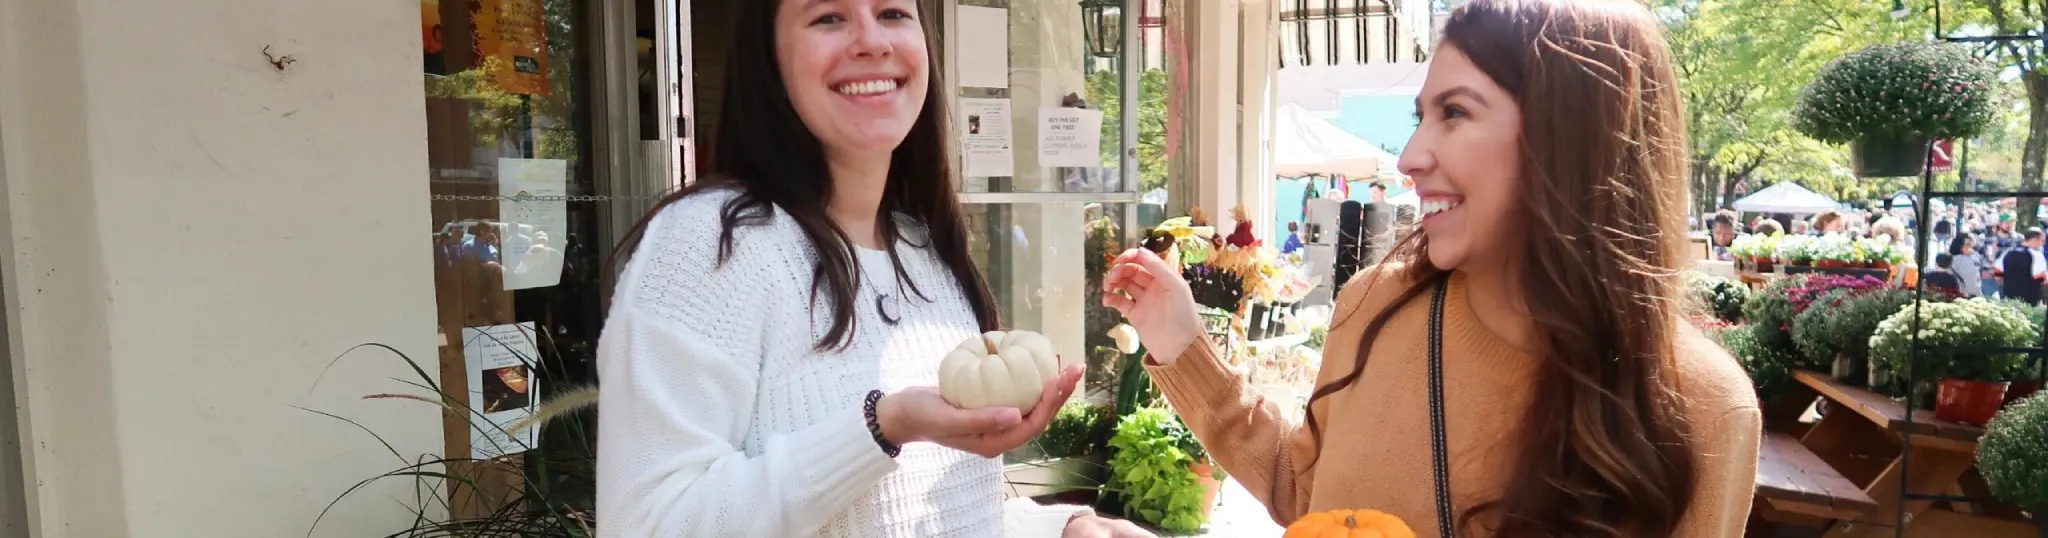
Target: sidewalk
(1239, 515)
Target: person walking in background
(1293, 238)
(1721, 233)
(2022, 269)
(1827, 222)
(1568, 397)
(1942, 277)
(1967, 264)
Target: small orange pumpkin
(1349, 524)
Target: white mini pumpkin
(999, 369)
(1126, 338)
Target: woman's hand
(919, 414)
(1092, 526)
(1157, 302)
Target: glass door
(1055, 135)
(539, 157)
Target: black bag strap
(1436, 409)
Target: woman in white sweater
(776, 329)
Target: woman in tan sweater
(1521, 368)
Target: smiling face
(856, 70)
(1466, 160)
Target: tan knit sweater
(1378, 453)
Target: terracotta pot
(2020, 390)
(1968, 402)
(1205, 473)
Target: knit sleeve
(680, 359)
(1246, 433)
(1023, 518)
(1727, 476)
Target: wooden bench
(1893, 416)
(1793, 479)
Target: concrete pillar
(1257, 53)
(193, 233)
(1214, 143)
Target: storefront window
(1043, 88)
(516, 212)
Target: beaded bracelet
(875, 424)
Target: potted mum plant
(1752, 251)
(1890, 102)
(1836, 328)
(1795, 250)
(1972, 384)
(1834, 252)
(2013, 457)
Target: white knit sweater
(719, 419)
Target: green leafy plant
(2013, 455)
(1079, 430)
(1962, 323)
(556, 497)
(1902, 91)
(1841, 322)
(1150, 469)
(1766, 367)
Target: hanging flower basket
(1883, 157)
(1888, 101)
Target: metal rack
(1927, 194)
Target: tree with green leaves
(1741, 64)
(1106, 94)
(2025, 57)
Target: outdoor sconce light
(1102, 24)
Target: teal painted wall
(1386, 120)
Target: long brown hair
(1603, 448)
(767, 155)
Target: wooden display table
(1846, 472)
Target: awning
(1787, 197)
(1304, 145)
(1351, 32)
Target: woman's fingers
(1123, 305)
(1133, 276)
(1153, 264)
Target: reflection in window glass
(1044, 263)
(1016, 98)
(509, 138)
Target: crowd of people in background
(1976, 249)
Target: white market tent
(1304, 144)
(1785, 197)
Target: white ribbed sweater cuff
(1023, 518)
(843, 460)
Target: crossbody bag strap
(1436, 410)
